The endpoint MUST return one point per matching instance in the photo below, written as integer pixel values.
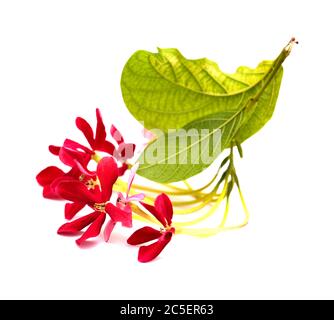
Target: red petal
(75, 146)
(82, 167)
(74, 172)
(71, 209)
(48, 175)
(107, 147)
(164, 206)
(117, 136)
(143, 235)
(155, 213)
(67, 157)
(77, 225)
(150, 252)
(122, 169)
(64, 178)
(93, 230)
(100, 135)
(118, 215)
(86, 129)
(107, 173)
(74, 158)
(54, 150)
(76, 191)
(49, 193)
(108, 230)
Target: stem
(141, 215)
(209, 195)
(157, 191)
(277, 64)
(194, 209)
(188, 185)
(247, 215)
(209, 213)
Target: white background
(60, 59)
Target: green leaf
(185, 152)
(168, 91)
(165, 90)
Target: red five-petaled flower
(75, 154)
(97, 198)
(124, 150)
(163, 212)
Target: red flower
(98, 198)
(123, 152)
(163, 212)
(75, 154)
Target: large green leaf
(165, 90)
(185, 152)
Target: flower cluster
(83, 187)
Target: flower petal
(74, 172)
(75, 146)
(54, 150)
(120, 197)
(149, 135)
(131, 177)
(107, 173)
(125, 151)
(107, 147)
(50, 193)
(86, 129)
(71, 209)
(58, 180)
(100, 135)
(71, 157)
(48, 175)
(128, 150)
(164, 206)
(82, 167)
(136, 197)
(150, 252)
(122, 169)
(76, 159)
(76, 191)
(144, 235)
(116, 134)
(78, 224)
(155, 213)
(108, 230)
(93, 230)
(119, 215)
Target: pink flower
(123, 203)
(163, 212)
(97, 198)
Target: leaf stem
(277, 64)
